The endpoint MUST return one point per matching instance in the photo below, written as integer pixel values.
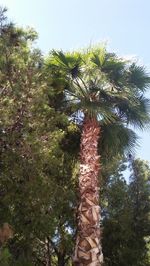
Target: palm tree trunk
(88, 249)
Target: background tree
(34, 174)
(139, 191)
(126, 221)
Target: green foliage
(5, 257)
(139, 190)
(36, 180)
(39, 151)
(126, 218)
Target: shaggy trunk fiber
(88, 249)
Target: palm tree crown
(107, 87)
(103, 85)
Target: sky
(66, 24)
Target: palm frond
(138, 115)
(98, 57)
(60, 58)
(138, 77)
(69, 64)
(116, 138)
(102, 111)
(114, 69)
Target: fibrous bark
(88, 245)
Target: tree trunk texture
(88, 249)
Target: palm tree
(107, 93)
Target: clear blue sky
(69, 24)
